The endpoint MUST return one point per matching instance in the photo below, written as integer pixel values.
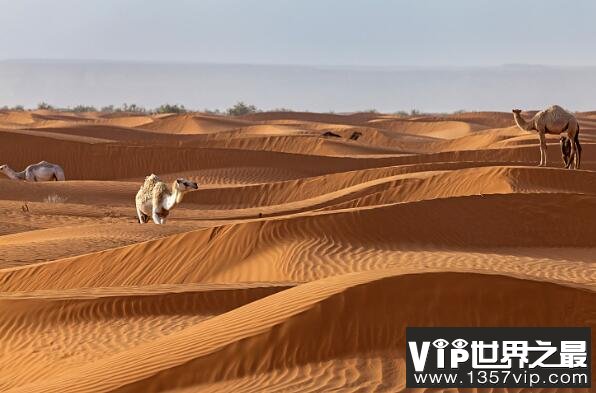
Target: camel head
(565, 145)
(516, 111)
(186, 185)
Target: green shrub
(241, 109)
(167, 108)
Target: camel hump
(558, 110)
(160, 188)
(152, 179)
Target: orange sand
(300, 260)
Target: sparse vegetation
(44, 106)
(16, 108)
(132, 108)
(167, 108)
(241, 109)
(84, 108)
(55, 198)
(108, 109)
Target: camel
(553, 120)
(42, 171)
(155, 199)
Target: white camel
(42, 171)
(155, 199)
(553, 120)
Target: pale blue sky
(315, 32)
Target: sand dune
(286, 336)
(192, 124)
(300, 260)
(435, 129)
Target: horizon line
(305, 65)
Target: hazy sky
(317, 32)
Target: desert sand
(300, 260)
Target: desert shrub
(55, 198)
(108, 109)
(132, 108)
(401, 113)
(167, 108)
(44, 106)
(415, 112)
(241, 109)
(16, 108)
(84, 108)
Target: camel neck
(522, 123)
(14, 175)
(174, 198)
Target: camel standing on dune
(42, 171)
(554, 120)
(155, 199)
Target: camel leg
(573, 158)
(142, 216)
(578, 151)
(564, 157)
(570, 157)
(542, 149)
(568, 161)
(573, 153)
(156, 218)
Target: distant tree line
(239, 109)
